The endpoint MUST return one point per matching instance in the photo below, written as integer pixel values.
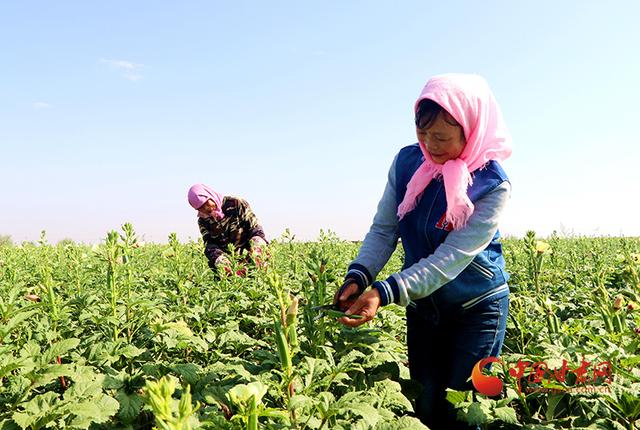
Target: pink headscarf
(199, 194)
(471, 103)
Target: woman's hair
(427, 112)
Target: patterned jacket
(238, 227)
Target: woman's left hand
(260, 256)
(366, 306)
(259, 251)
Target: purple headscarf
(199, 194)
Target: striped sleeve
(451, 257)
(212, 248)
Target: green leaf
(109, 407)
(5, 370)
(390, 396)
(189, 372)
(476, 414)
(30, 349)
(23, 420)
(506, 414)
(129, 405)
(131, 351)
(58, 349)
(403, 423)
(89, 412)
(8, 425)
(37, 410)
(368, 413)
(51, 372)
(13, 323)
(114, 382)
(613, 424)
(325, 401)
(300, 401)
(630, 406)
(86, 384)
(275, 413)
(552, 404)
(455, 397)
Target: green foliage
(5, 240)
(131, 335)
(170, 413)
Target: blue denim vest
(424, 228)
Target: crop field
(124, 335)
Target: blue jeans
(444, 344)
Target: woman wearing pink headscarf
(443, 199)
(224, 221)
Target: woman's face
(443, 140)
(208, 208)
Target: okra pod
(608, 325)
(292, 322)
(283, 347)
(618, 323)
(252, 419)
(339, 314)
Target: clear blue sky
(110, 110)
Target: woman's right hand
(227, 270)
(346, 295)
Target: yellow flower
(542, 247)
